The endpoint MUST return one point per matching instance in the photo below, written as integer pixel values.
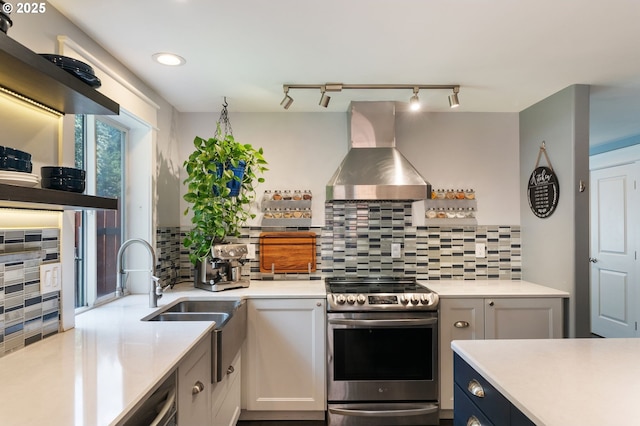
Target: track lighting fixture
(287, 100)
(414, 101)
(453, 98)
(324, 98)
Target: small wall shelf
(49, 199)
(287, 211)
(28, 74)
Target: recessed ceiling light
(170, 59)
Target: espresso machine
(224, 270)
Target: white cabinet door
(194, 385)
(498, 318)
(523, 318)
(285, 355)
(613, 252)
(225, 397)
(460, 319)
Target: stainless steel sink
(193, 305)
(218, 317)
(230, 330)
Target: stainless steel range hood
(374, 169)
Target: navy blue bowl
(5, 151)
(68, 64)
(62, 172)
(63, 184)
(15, 164)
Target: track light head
(287, 100)
(453, 98)
(324, 99)
(414, 102)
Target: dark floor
(443, 422)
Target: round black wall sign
(544, 192)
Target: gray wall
(555, 250)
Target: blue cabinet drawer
(519, 419)
(491, 402)
(466, 411)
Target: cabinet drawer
(493, 404)
(466, 410)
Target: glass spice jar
(451, 213)
(450, 194)
(469, 194)
(460, 194)
(431, 213)
(440, 194)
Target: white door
(613, 252)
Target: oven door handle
(427, 409)
(406, 322)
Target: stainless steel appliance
(382, 352)
(373, 168)
(158, 409)
(224, 270)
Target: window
(99, 149)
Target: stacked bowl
(76, 68)
(16, 167)
(5, 21)
(63, 178)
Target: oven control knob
(361, 299)
(404, 299)
(351, 299)
(415, 299)
(425, 299)
(340, 299)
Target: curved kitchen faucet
(156, 288)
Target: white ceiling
(505, 54)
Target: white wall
(460, 150)
(467, 150)
(302, 149)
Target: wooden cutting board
(287, 252)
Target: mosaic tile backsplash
(356, 241)
(26, 315)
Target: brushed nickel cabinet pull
(461, 324)
(475, 388)
(473, 421)
(197, 388)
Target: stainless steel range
(382, 348)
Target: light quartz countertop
(562, 382)
(98, 371)
(491, 288)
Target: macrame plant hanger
(224, 119)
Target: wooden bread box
(287, 252)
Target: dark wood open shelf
(28, 74)
(49, 199)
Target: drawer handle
(197, 388)
(230, 370)
(461, 324)
(473, 421)
(476, 388)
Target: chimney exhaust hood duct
(374, 169)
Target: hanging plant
(221, 178)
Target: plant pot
(234, 185)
